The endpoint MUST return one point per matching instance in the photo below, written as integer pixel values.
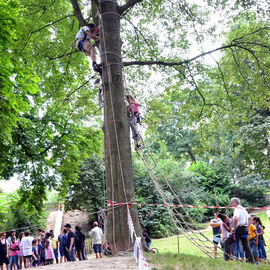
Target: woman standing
(3, 251)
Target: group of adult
(240, 235)
(27, 251)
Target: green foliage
(87, 193)
(17, 78)
(18, 215)
(250, 196)
(213, 179)
(155, 220)
(49, 119)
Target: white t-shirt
(96, 233)
(242, 215)
(82, 32)
(9, 240)
(26, 244)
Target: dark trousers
(66, 254)
(80, 252)
(246, 248)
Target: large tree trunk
(119, 172)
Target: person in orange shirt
(253, 239)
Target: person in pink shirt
(224, 228)
(133, 109)
(14, 255)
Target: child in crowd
(253, 239)
(54, 246)
(224, 228)
(260, 231)
(62, 240)
(48, 249)
(14, 255)
(41, 252)
(35, 255)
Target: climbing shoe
(137, 147)
(97, 81)
(97, 67)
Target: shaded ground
(119, 262)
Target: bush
(250, 196)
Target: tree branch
(78, 13)
(129, 4)
(81, 86)
(51, 23)
(37, 30)
(137, 30)
(63, 55)
(164, 63)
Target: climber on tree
(83, 43)
(133, 110)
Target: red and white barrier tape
(113, 203)
(138, 254)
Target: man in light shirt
(97, 234)
(240, 225)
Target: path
(119, 262)
(51, 221)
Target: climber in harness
(83, 43)
(134, 119)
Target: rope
(186, 227)
(106, 13)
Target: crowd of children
(27, 251)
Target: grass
(189, 254)
(170, 261)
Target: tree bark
(118, 161)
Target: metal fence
(88, 245)
(52, 206)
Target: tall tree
(66, 101)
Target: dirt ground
(118, 262)
(77, 217)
